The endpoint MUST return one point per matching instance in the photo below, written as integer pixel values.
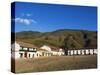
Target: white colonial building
(26, 50)
(23, 50)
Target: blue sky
(50, 17)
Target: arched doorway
(25, 54)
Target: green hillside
(71, 39)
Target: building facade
(82, 52)
(25, 50)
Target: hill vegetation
(71, 39)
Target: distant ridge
(58, 30)
(59, 38)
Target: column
(82, 52)
(68, 52)
(93, 51)
(79, 52)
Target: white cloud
(24, 21)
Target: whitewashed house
(26, 50)
(45, 47)
(23, 50)
(52, 51)
(15, 50)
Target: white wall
(15, 55)
(46, 48)
(79, 52)
(15, 47)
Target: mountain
(71, 39)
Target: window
(24, 48)
(30, 49)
